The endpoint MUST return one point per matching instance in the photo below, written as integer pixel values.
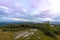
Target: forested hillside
(40, 31)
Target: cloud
(19, 19)
(30, 10)
(34, 17)
(10, 19)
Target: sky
(29, 10)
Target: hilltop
(34, 31)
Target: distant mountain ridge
(57, 23)
(6, 23)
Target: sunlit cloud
(30, 10)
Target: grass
(35, 36)
(8, 35)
